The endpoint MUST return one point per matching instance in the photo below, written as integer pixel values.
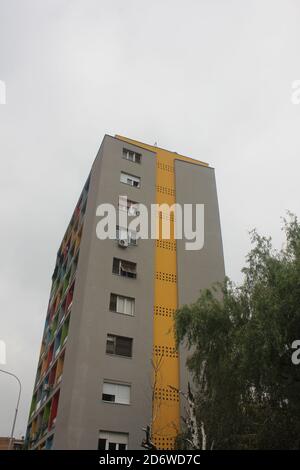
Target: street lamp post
(17, 407)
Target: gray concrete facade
(82, 413)
(197, 270)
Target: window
(132, 156)
(134, 181)
(54, 408)
(112, 441)
(116, 393)
(122, 304)
(124, 234)
(131, 207)
(124, 268)
(119, 345)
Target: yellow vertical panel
(166, 421)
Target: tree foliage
(241, 337)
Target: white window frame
(131, 180)
(128, 303)
(114, 438)
(131, 156)
(121, 392)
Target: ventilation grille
(164, 311)
(165, 167)
(167, 394)
(166, 443)
(166, 244)
(165, 190)
(165, 351)
(166, 277)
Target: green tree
(247, 390)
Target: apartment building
(108, 364)
(5, 444)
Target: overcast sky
(210, 79)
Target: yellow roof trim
(154, 149)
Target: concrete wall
(81, 412)
(197, 270)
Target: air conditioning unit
(123, 242)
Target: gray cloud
(207, 78)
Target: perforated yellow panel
(166, 244)
(167, 277)
(165, 406)
(165, 189)
(163, 311)
(166, 394)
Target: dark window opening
(119, 345)
(124, 268)
(101, 444)
(107, 397)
